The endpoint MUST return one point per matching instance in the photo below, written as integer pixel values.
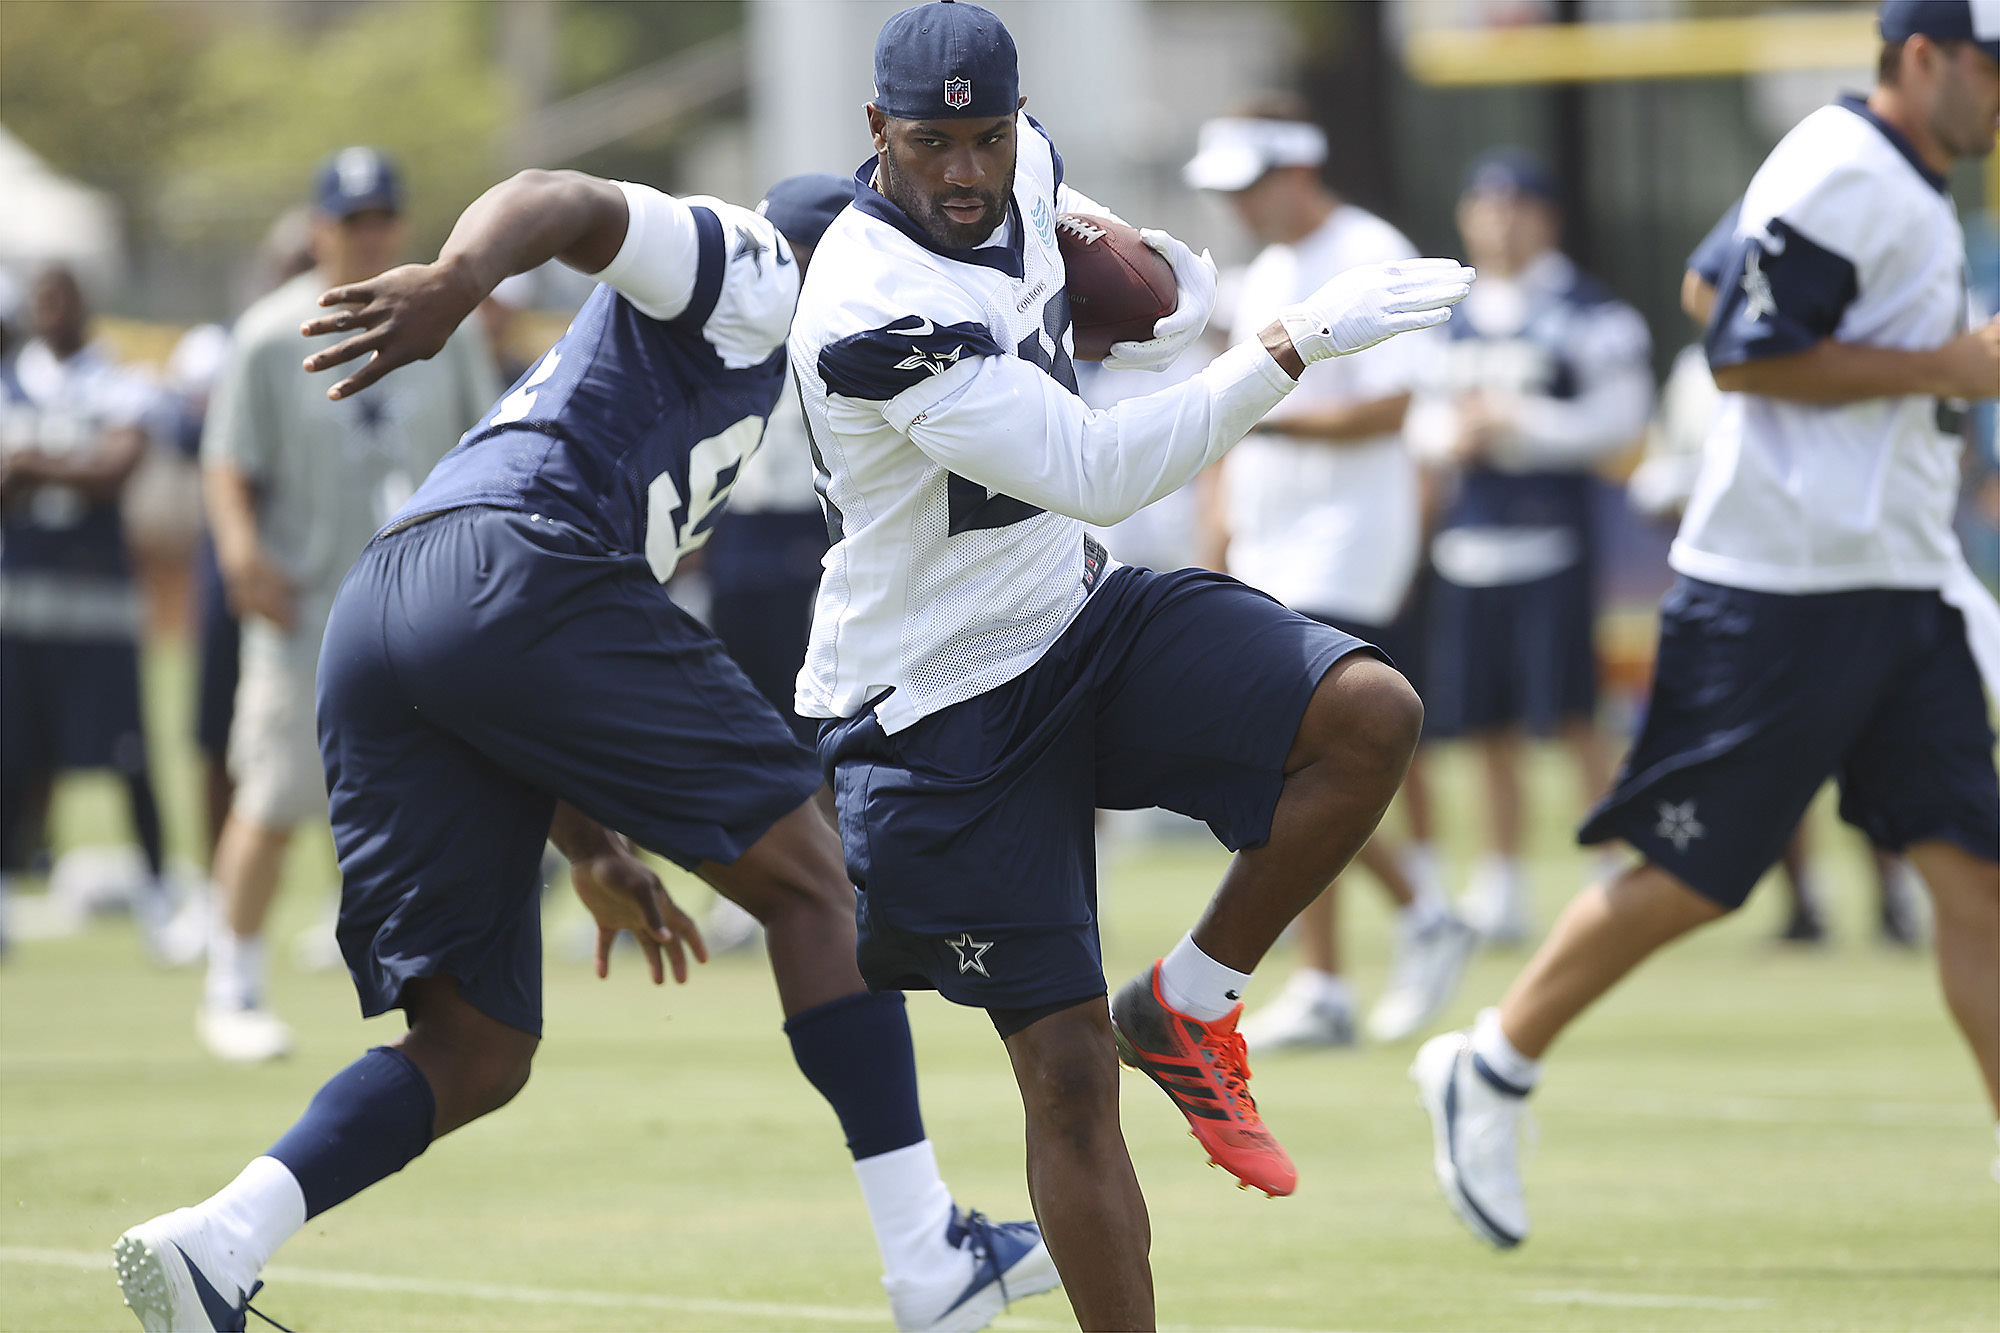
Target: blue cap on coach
(356, 179)
(803, 207)
(943, 61)
(1511, 171)
(1976, 21)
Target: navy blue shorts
(69, 703)
(971, 834)
(1758, 698)
(1401, 640)
(765, 629)
(479, 667)
(1519, 654)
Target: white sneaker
(1476, 1129)
(243, 1036)
(730, 929)
(1297, 1017)
(1496, 903)
(993, 1264)
(1429, 965)
(182, 939)
(173, 1271)
(317, 947)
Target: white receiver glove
(1194, 275)
(1365, 305)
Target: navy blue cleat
(1001, 1263)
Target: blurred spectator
(72, 429)
(296, 485)
(1544, 375)
(1319, 507)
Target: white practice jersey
(957, 464)
(1329, 527)
(1844, 234)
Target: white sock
(1423, 866)
(1326, 990)
(1506, 870)
(235, 968)
(252, 1216)
(1490, 1044)
(1426, 908)
(909, 1207)
(1194, 984)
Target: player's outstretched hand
(1194, 276)
(623, 893)
(1365, 305)
(1972, 362)
(402, 315)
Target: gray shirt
(328, 474)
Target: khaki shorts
(274, 745)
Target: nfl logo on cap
(958, 93)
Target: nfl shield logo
(958, 93)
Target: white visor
(1233, 153)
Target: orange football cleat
(1204, 1068)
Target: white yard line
(776, 1313)
(1646, 1300)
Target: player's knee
(1368, 714)
(1070, 1086)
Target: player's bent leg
(793, 881)
(474, 1063)
(1079, 1172)
(1350, 752)
(1475, 1084)
(1965, 894)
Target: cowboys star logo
(958, 93)
(1759, 302)
(931, 363)
(1678, 824)
(970, 952)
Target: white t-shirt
(1329, 527)
(1843, 235)
(959, 464)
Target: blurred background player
(1319, 508)
(1824, 623)
(1660, 486)
(1544, 375)
(296, 485)
(73, 427)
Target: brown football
(1118, 285)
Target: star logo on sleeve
(1678, 824)
(970, 953)
(931, 363)
(1759, 301)
(751, 248)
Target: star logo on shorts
(1678, 824)
(970, 952)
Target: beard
(927, 210)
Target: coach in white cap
(1824, 623)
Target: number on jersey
(677, 524)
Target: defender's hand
(1194, 275)
(1972, 363)
(623, 893)
(403, 315)
(1365, 305)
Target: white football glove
(1365, 305)
(1194, 275)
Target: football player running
(991, 677)
(503, 665)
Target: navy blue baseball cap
(356, 179)
(1511, 171)
(803, 207)
(1975, 21)
(945, 61)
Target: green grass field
(1743, 1137)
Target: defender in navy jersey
(502, 666)
(1825, 623)
(990, 677)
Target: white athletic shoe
(1429, 965)
(243, 1036)
(1476, 1126)
(730, 929)
(1297, 1016)
(173, 1271)
(1496, 903)
(993, 1264)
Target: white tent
(50, 217)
